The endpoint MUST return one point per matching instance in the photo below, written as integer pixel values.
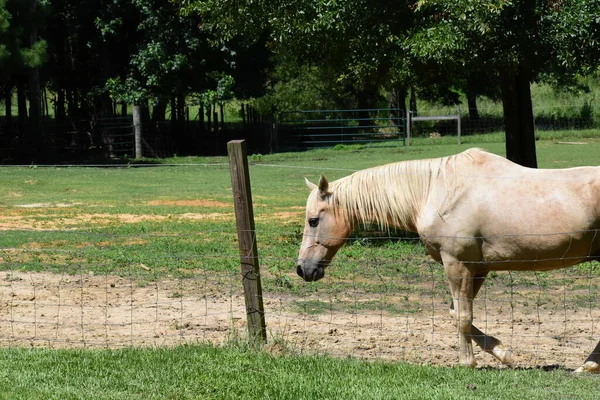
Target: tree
(22, 52)
(430, 44)
(517, 40)
(355, 40)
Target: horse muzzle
(311, 273)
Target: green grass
(205, 372)
(171, 244)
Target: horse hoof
(588, 366)
(503, 354)
(468, 363)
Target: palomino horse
(476, 212)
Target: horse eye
(313, 222)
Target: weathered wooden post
(137, 130)
(244, 216)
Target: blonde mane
(392, 195)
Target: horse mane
(392, 195)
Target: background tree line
(92, 58)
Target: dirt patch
(190, 203)
(53, 221)
(50, 310)
(47, 205)
(283, 216)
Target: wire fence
(378, 307)
(383, 298)
(577, 115)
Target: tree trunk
(145, 112)
(181, 109)
(173, 111)
(413, 102)
(362, 97)
(472, 98)
(60, 113)
(201, 117)
(8, 105)
(102, 102)
(72, 109)
(397, 102)
(209, 116)
(472, 104)
(159, 111)
(35, 112)
(222, 113)
(21, 107)
(518, 117)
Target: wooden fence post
(137, 130)
(244, 216)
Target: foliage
(167, 55)
(481, 35)
(302, 54)
(442, 47)
(296, 86)
(17, 52)
(127, 91)
(353, 38)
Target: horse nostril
(300, 272)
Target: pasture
(105, 269)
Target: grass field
(110, 220)
(206, 372)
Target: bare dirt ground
(64, 311)
(57, 311)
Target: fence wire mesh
(369, 306)
(383, 297)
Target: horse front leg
(489, 344)
(460, 279)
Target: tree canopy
(434, 44)
(92, 55)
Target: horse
(475, 212)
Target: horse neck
(390, 196)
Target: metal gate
(305, 129)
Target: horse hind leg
(489, 344)
(592, 363)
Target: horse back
(506, 216)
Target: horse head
(325, 231)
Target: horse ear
(311, 186)
(323, 185)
